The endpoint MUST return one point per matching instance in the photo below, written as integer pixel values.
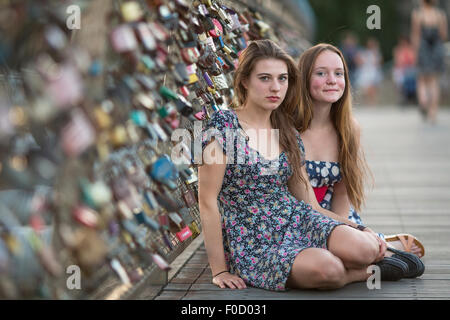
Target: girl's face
(327, 82)
(267, 84)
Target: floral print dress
(264, 226)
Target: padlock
(167, 93)
(120, 271)
(145, 100)
(102, 118)
(146, 36)
(164, 221)
(184, 107)
(180, 73)
(147, 62)
(143, 218)
(217, 30)
(151, 200)
(123, 39)
(167, 202)
(146, 82)
(203, 10)
(96, 194)
(186, 216)
(164, 171)
(194, 229)
(196, 26)
(210, 43)
(200, 116)
(139, 118)
(189, 55)
(159, 131)
(192, 179)
(184, 234)
(160, 262)
(159, 31)
(184, 91)
(131, 11)
(86, 216)
(220, 82)
(77, 135)
(118, 136)
(189, 198)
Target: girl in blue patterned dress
(267, 235)
(336, 167)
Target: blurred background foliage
(335, 18)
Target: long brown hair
(354, 168)
(281, 117)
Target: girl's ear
(245, 83)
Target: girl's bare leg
(356, 249)
(422, 94)
(316, 268)
(434, 90)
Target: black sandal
(415, 266)
(392, 269)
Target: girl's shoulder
(356, 125)
(223, 119)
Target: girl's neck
(254, 117)
(321, 119)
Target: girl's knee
(321, 271)
(369, 249)
(332, 274)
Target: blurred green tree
(336, 17)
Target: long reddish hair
(281, 117)
(354, 168)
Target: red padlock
(86, 216)
(184, 234)
(184, 91)
(218, 29)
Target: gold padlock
(119, 136)
(145, 100)
(131, 11)
(193, 78)
(102, 119)
(103, 149)
(194, 229)
(202, 37)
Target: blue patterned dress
(327, 173)
(264, 226)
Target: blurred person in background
(369, 75)
(429, 31)
(404, 71)
(350, 48)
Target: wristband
(220, 273)
(360, 227)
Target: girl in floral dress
(272, 233)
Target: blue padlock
(164, 171)
(142, 218)
(139, 118)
